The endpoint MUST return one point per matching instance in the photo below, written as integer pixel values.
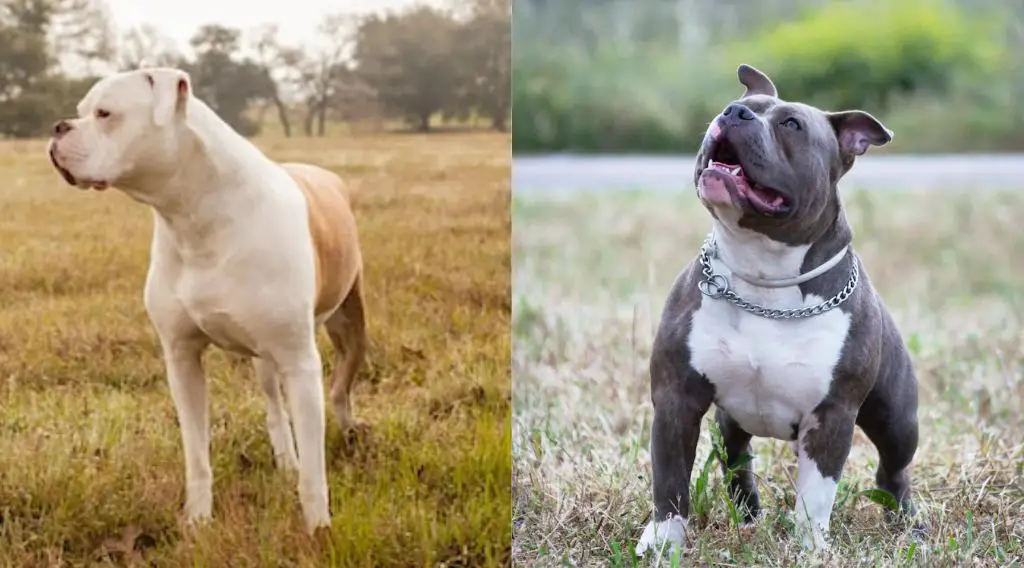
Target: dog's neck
(181, 197)
(756, 254)
(762, 257)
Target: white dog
(247, 254)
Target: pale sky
(297, 19)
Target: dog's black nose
(61, 128)
(736, 113)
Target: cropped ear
(756, 82)
(171, 88)
(856, 130)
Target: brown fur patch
(332, 228)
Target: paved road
(568, 173)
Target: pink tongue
(714, 131)
(767, 199)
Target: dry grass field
(590, 275)
(91, 469)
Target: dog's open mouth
(724, 165)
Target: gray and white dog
(776, 321)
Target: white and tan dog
(247, 254)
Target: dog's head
(129, 126)
(772, 166)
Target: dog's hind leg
(347, 330)
(278, 425)
(890, 421)
(742, 490)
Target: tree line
(409, 66)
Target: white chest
(768, 374)
(219, 309)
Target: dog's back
(332, 229)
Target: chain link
(716, 286)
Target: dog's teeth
(736, 171)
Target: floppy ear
(171, 88)
(856, 130)
(756, 82)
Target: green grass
(91, 466)
(590, 275)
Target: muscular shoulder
(683, 299)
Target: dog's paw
(670, 533)
(350, 440)
(813, 541)
(321, 535)
(355, 429)
(748, 527)
(198, 507)
(919, 530)
(317, 518)
(190, 524)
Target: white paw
(815, 542)
(317, 523)
(812, 537)
(671, 531)
(315, 511)
(197, 518)
(198, 503)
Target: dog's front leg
(188, 390)
(303, 380)
(680, 401)
(823, 444)
(278, 423)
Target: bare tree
(145, 46)
(322, 69)
(277, 62)
(81, 34)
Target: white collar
(782, 282)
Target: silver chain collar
(716, 286)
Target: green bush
(862, 54)
(607, 101)
(879, 55)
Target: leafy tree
(406, 58)
(228, 83)
(24, 63)
(484, 56)
(81, 34)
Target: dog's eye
(792, 124)
(102, 113)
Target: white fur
(768, 374)
(231, 264)
(670, 533)
(815, 495)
